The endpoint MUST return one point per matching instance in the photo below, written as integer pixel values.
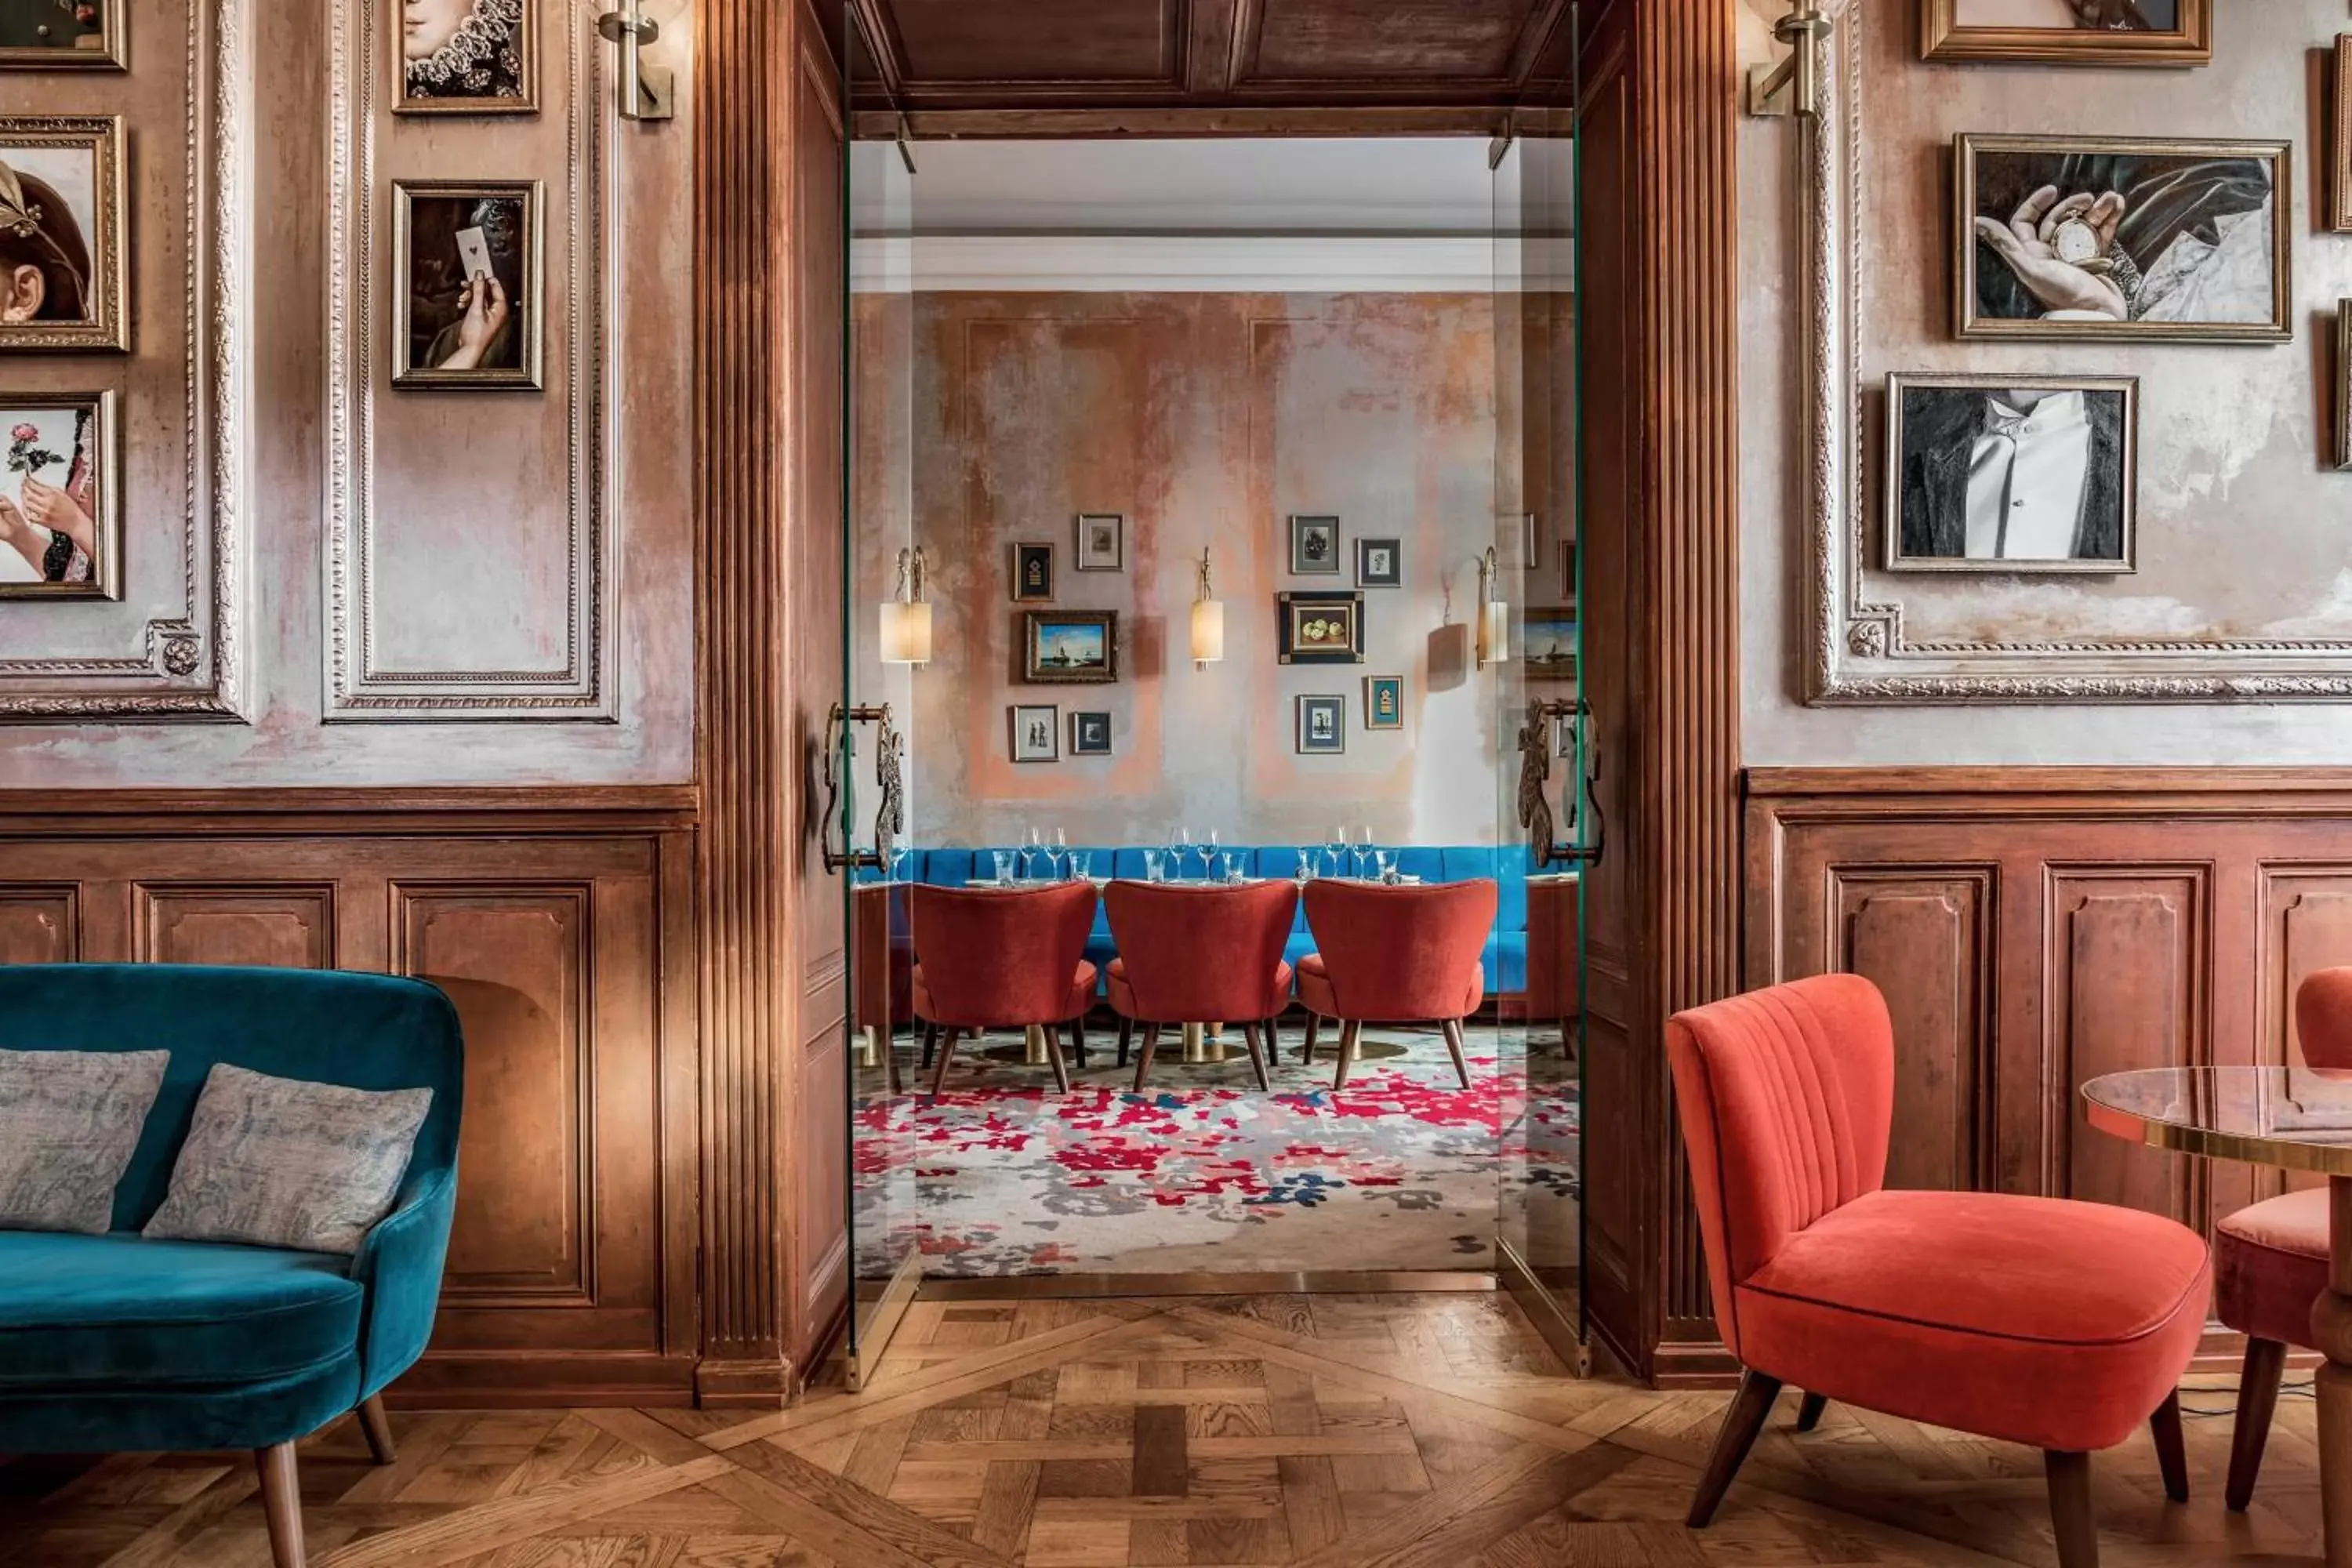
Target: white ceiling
(1400, 186)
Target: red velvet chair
(886, 967)
(1395, 955)
(2057, 1324)
(2269, 1261)
(989, 959)
(1199, 955)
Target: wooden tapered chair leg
(1453, 1044)
(2171, 1452)
(930, 1043)
(1350, 1031)
(1740, 1425)
(1143, 1056)
(2070, 1509)
(1809, 1413)
(947, 1056)
(1078, 1040)
(1125, 1039)
(1053, 1057)
(281, 1502)
(376, 1426)
(1257, 1056)
(1306, 1048)
(2258, 1390)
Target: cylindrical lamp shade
(1498, 631)
(1207, 631)
(905, 633)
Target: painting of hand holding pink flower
(58, 536)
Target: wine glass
(1180, 850)
(1363, 856)
(1057, 852)
(1334, 849)
(1209, 856)
(1033, 850)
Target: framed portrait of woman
(463, 57)
(467, 288)
(62, 35)
(2069, 32)
(60, 521)
(62, 242)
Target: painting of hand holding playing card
(466, 287)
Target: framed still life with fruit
(62, 35)
(1321, 627)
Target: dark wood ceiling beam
(1209, 55)
(1535, 39)
(887, 49)
(1047, 123)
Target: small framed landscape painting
(1380, 563)
(62, 35)
(60, 517)
(62, 247)
(1315, 547)
(1320, 628)
(1549, 637)
(1322, 726)
(1090, 734)
(1986, 475)
(1036, 732)
(1102, 542)
(1033, 573)
(1384, 702)
(2069, 32)
(2122, 238)
(1071, 647)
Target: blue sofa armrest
(399, 1263)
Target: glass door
(869, 771)
(1548, 832)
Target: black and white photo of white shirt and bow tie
(2011, 477)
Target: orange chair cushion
(1081, 996)
(2053, 1323)
(1122, 996)
(2270, 1263)
(1314, 993)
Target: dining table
(2292, 1118)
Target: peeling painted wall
(2243, 529)
(1207, 419)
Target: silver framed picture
(1102, 542)
(2011, 473)
(1315, 547)
(1322, 726)
(1036, 732)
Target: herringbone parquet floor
(1337, 1432)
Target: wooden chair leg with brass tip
(2171, 1451)
(1454, 1045)
(2258, 1392)
(2071, 1518)
(1307, 1048)
(281, 1503)
(1257, 1056)
(930, 1043)
(376, 1426)
(1809, 1414)
(1740, 1425)
(946, 1058)
(1078, 1041)
(1125, 1039)
(1052, 1034)
(1350, 1032)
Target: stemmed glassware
(1179, 854)
(1209, 856)
(1334, 849)
(1364, 856)
(1057, 851)
(1033, 850)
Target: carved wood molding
(360, 687)
(190, 664)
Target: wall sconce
(907, 617)
(1494, 614)
(1792, 87)
(648, 92)
(1208, 623)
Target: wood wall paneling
(559, 923)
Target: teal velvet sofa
(115, 1343)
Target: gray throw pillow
(69, 1121)
(276, 1162)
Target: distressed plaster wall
(481, 507)
(2243, 531)
(1207, 418)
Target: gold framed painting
(2068, 32)
(2344, 384)
(467, 285)
(463, 57)
(2340, 141)
(62, 35)
(60, 507)
(2122, 238)
(63, 245)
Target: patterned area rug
(1205, 1172)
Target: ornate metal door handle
(1535, 780)
(889, 819)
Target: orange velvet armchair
(2269, 1261)
(2057, 1324)
(1003, 959)
(1396, 955)
(1199, 955)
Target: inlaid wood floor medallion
(1395, 1432)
